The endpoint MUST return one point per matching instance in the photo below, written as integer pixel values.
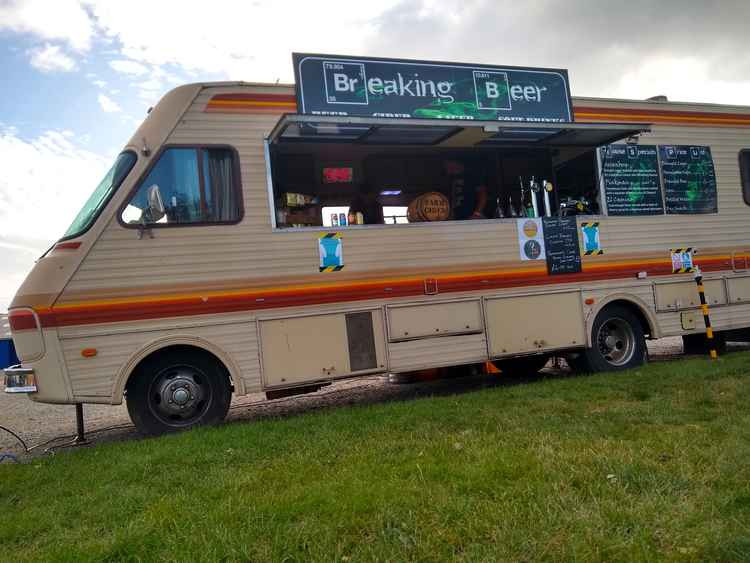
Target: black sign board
(689, 179)
(391, 88)
(561, 245)
(630, 174)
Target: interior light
(390, 192)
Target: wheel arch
(633, 303)
(161, 345)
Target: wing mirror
(155, 204)
(153, 212)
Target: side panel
(319, 347)
(532, 323)
(439, 319)
(675, 296)
(424, 353)
(119, 350)
(739, 290)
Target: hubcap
(179, 395)
(616, 341)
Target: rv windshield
(101, 195)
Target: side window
(187, 186)
(745, 174)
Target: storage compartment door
(321, 347)
(739, 290)
(406, 322)
(532, 323)
(674, 296)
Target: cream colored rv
(241, 243)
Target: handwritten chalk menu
(630, 174)
(561, 244)
(689, 179)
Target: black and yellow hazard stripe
(687, 249)
(331, 268)
(595, 225)
(706, 319)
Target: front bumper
(19, 379)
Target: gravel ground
(37, 423)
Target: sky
(79, 75)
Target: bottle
(351, 219)
(342, 219)
(334, 219)
(511, 207)
(499, 209)
(360, 218)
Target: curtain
(221, 185)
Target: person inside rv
(468, 190)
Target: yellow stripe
(709, 332)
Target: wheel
(523, 366)
(617, 341)
(178, 390)
(698, 343)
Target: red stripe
(254, 98)
(21, 319)
(357, 291)
(67, 245)
(661, 113)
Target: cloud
(51, 58)
(108, 104)
(99, 83)
(611, 49)
(64, 20)
(236, 40)
(44, 183)
(128, 67)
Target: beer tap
(534, 187)
(547, 191)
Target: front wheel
(178, 390)
(617, 341)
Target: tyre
(523, 366)
(178, 390)
(617, 341)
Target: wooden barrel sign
(431, 206)
(411, 212)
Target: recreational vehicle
(384, 216)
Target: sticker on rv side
(331, 252)
(531, 239)
(682, 260)
(592, 245)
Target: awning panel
(449, 133)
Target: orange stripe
(105, 311)
(661, 116)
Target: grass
(651, 464)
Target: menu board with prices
(689, 179)
(630, 175)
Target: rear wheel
(178, 390)
(617, 341)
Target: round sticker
(532, 249)
(530, 229)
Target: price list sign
(689, 179)
(630, 174)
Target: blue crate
(7, 353)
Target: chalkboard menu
(689, 179)
(630, 174)
(561, 245)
